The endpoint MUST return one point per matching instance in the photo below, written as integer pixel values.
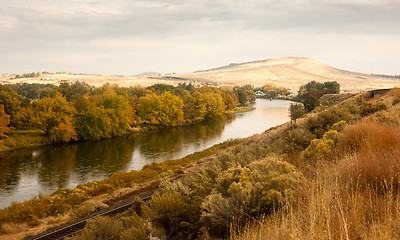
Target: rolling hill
(290, 72)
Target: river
(29, 172)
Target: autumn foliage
(4, 121)
(78, 111)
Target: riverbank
(240, 109)
(18, 139)
(38, 214)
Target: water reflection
(28, 172)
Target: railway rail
(71, 229)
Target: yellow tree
(55, 117)
(160, 110)
(4, 121)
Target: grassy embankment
(20, 139)
(37, 211)
(49, 210)
(349, 182)
(350, 191)
(240, 109)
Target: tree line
(78, 111)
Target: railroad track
(71, 229)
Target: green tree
(214, 105)
(55, 118)
(93, 123)
(245, 94)
(310, 102)
(118, 110)
(72, 91)
(11, 101)
(160, 110)
(273, 91)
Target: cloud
(182, 35)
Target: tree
(11, 101)
(296, 111)
(4, 121)
(118, 110)
(214, 105)
(273, 91)
(55, 118)
(160, 110)
(72, 91)
(310, 102)
(230, 99)
(317, 89)
(93, 123)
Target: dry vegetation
(346, 186)
(333, 175)
(350, 192)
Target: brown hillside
(290, 72)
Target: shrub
(243, 192)
(136, 228)
(396, 101)
(319, 148)
(134, 233)
(368, 108)
(173, 216)
(340, 126)
(374, 155)
(310, 103)
(296, 139)
(87, 208)
(101, 228)
(323, 122)
(387, 117)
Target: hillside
(289, 72)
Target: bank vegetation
(36, 114)
(330, 175)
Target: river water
(26, 173)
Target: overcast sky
(129, 36)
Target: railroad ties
(70, 229)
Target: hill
(147, 74)
(290, 72)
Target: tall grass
(374, 155)
(354, 197)
(326, 209)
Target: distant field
(92, 79)
(289, 72)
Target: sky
(126, 37)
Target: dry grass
(375, 162)
(354, 197)
(290, 72)
(326, 209)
